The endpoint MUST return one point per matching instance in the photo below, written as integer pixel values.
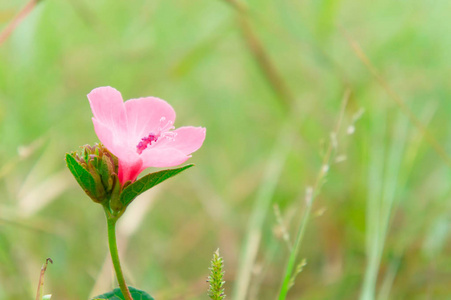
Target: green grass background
(380, 226)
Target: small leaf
(146, 182)
(83, 177)
(116, 294)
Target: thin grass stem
(312, 192)
(431, 140)
(26, 10)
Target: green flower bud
(95, 169)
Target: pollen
(145, 142)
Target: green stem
(310, 197)
(115, 257)
(294, 253)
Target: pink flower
(139, 132)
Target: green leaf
(146, 182)
(83, 177)
(116, 294)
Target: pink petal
(108, 108)
(130, 163)
(113, 142)
(144, 116)
(129, 170)
(162, 158)
(187, 140)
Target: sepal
(83, 177)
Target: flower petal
(113, 142)
(162, 158)
(144, 116)
(108, 108)
(130, 163)
(187, 140)
(129, 170)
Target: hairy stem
(115, 257)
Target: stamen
(146, 141)
(152, 138)
(165, 126)
(169, 135)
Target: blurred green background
(267, 79)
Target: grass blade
(260, 209)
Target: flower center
(152, 138)
(146, 141)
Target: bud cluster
(102, 165)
